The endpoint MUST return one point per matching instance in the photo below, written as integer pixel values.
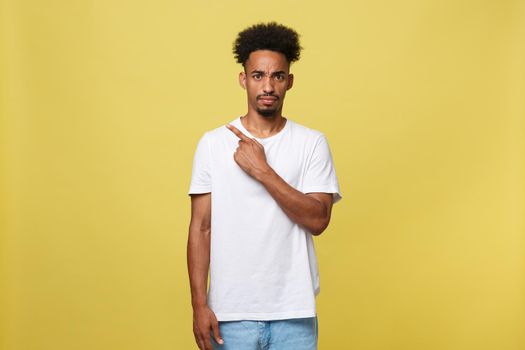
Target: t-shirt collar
(238, 124)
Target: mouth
(267, 100)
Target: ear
(290, 81)
(242, 80)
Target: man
(261, 187)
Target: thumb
(216, 333)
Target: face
(266, 79)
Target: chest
(288, 158)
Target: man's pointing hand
(249, 155)
(238, 133)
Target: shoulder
(218, 133)
(310, 135)
(218, 136)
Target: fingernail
(221, 341)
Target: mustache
(267, 95)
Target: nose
(268, 85)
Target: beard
(267, 113)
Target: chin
(267, 113)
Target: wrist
(198, 303)
(263, 174)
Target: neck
(262, 127)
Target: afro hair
(267, 36)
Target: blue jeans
(289, 334)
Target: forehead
(266, 61)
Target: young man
(261, 187)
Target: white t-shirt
(262, 265)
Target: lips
(267, 97)
(267, 100)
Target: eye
(257, 76)
(279, 77)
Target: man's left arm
(311, 211)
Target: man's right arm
(198, 254)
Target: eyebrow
(261, 72)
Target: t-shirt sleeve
(320, 173)
(201, 171)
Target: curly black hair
(267, 36)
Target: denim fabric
(289, 334)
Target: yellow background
(423, 103)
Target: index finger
(238, 133)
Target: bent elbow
(319, 227)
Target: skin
(266, 79)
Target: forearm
(198, 253)
(309, 211)
(302, 209)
